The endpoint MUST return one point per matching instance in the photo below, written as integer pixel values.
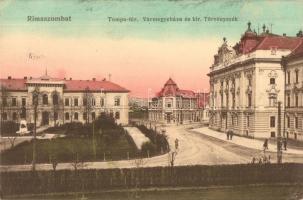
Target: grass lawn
(66, 149)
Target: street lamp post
(279, 141)
(35, 102)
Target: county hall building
(62, 100)
(174, 105)
(248, 79)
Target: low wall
(27, 182)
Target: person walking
(231, 135)
(265, 145)
(285, 144)
(227, 134)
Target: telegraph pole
(279, 141)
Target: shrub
(148, 147)
(9, 128)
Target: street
(193, 148)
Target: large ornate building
(246, 82)
(61, 100)
(293, 68)
(173, 105)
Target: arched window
(102, 102)
(67, 116)
(55, 99)
(76, 116)
(45, 99)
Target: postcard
(151, 99)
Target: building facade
(173, 105)
(293, 68)
(62, 101)
(246, 82)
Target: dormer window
(273, 50)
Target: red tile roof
(81, 85)
(171, 89)
(13, 84)
(69, 85)
(297, 52)
(266, 41)
(280, 42)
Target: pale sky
(138, 55)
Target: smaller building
(173, 105)
(293, 67)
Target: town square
(151, 109)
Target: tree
(87, 103)
(3, 104)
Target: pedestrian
(285, 144)
(231, 135)
(265, 145)
(227, 134)
(176, 143)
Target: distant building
(62, 101)
(173, 105)
(293, 68)
(138, 102)
(246, 82)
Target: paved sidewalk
(246, 142)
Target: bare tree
(87, 103)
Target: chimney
(25, 77)
(9, 77)
(94, 79)
(284, 34)
(70, 79)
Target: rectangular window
(117, 101)
(297, 76)
(23, 101)
(76, 102)
(14, 101)
(249, 100)
(93, 102)
(296, 100)
(272, 122)
(247, 121)
(288, 77)
(4, 101)
(272, 81)
(288, 100)
(296, 122)
(93, 115)
(66, 102)
(117, 115)
(288, 121)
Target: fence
(28, 182)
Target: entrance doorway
(168, 117)
(45, 118)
